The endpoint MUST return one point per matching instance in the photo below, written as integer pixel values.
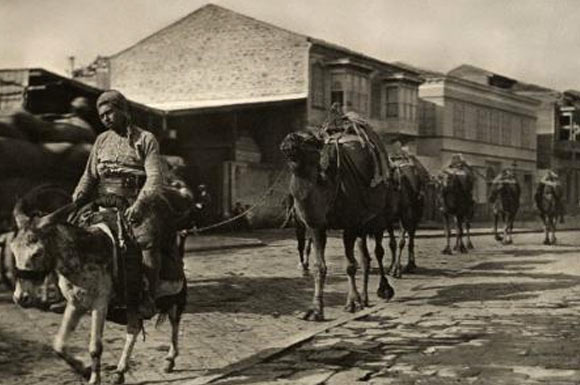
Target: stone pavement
(242, 304)
(512, 319)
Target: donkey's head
(302, 150)
(32, 250)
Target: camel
(408, 210)
(84, 260)
(505, 198)
(546, 201)
(456, 201)
(336, 197)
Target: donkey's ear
(19, 214)
(58, 216)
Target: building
(221, 90)
(558, 136)
(41, 92)
(492, 127)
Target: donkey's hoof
(546, 242)
(446, 251)
(470, 246)
(498, 238)
(395, 272)
(313, 315)
(169, 366)
(353, 306)
(118, 378)
(386, 292)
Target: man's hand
(132, 214)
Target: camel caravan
(116, 246)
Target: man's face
(112, 117)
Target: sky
(535, 41)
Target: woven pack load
(71, 129)
(26, 125)
(19, 157)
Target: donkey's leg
(98, 316)
(385, 290)
(396, 270)
(447, 249)
(174, 319)
(366, 265)
(353, 299)
(70, 320)
(316, 312)
(134, 326)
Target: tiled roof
(212, 54)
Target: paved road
(497, 315)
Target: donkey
(546, 201)
(505, 197)
(456, 201)
(408, 207)
(83, 258)
(325, 199)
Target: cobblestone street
(499, 315)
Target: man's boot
(147, 308)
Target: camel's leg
(300, 231)
(316, 312)
(98, 317)
(353, 300)
(174, 319)
(468, 233)
(366, 265)
(70, 320)
(459, 238)
(396, 270)
(134, 326)
(411, 266)
(447, 249)
(495, 220)
(385, 290)
(545, 220)
(554, 220)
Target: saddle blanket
(165, 287)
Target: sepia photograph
(298, 192)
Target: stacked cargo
(34, 151)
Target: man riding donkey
(551, 179)
(124, 172)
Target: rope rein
(261, 201)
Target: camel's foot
(447, 251)
(546, 241)
(395, 271)
(385, 290)
(463, 249)
(410, 268)
(553, 241)
(118, 378)
(354, 304)
(313, 315)
(470, 245)
(169, 365)
(498, 237)
(507, 241)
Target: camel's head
(302, 149)
(30, 247)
